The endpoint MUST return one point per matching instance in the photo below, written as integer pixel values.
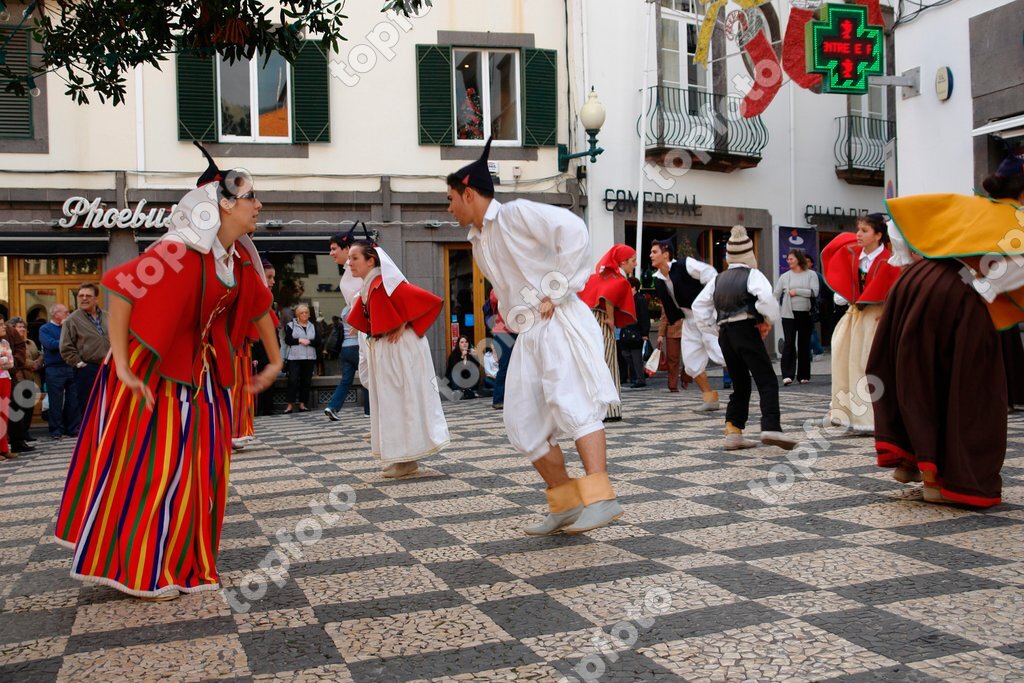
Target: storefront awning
(34, 244)
(1006, 129)
(274, 244)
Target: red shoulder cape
(172, 305)
(839, 265)
(407, 304)
(610, 286)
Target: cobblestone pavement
(848, 576)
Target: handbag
(653, 363)
(815, 310)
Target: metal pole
(643, 139)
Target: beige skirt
(851, 390)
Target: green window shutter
(311, 94)
(434, 82)
(197, 96)
(16, 110)
(540, 97)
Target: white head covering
(388, 270)
(195, 222)
(901, 255)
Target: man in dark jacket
(65, 413)
(85, 340)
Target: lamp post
(592, 117)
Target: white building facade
(970, 112)
(809, 161)
(368, 134)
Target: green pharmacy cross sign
(844, 49)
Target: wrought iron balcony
(860, 149)
(706, 124)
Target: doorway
(465, 292)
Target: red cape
(407, 304)
(610, 286)
(840, 262)
(169, 314)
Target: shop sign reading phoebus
(80, 212)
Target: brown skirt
(1013, 359)
(941, 404)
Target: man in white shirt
(538, 258)
(741, 305)
(677, 284)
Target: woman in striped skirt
(610, 297)
(147, 484)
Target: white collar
(661, 276)
(492, 210)
(222, 254)
(737, 265)
(870, 257)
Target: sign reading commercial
(667, 203)
(845, 49)
(79, 212)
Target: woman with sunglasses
(148, 481)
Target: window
(680, 24)
(254, 99)
(486, 96)
(15, 110)
(868, 115)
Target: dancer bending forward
(537, 258)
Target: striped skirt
(611, 358)
(243, 405)
(144, 499)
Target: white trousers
(557, 383)
(698, 347)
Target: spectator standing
(504, 340)
(65, 414)
(18, 422)
(349, 357)
(30, 373)
(634, 336)
(798, 289)
(85, 340)
(6, 365)
(301, 341)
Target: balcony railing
(691, 119)
(860, 145)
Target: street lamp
(592, 117)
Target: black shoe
(21, 447)
(31, 438)
(637, 385)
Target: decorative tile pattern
(848, 576)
